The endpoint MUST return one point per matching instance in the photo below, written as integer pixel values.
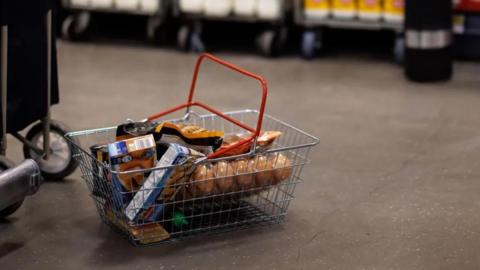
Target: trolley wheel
(399, 50)
(4, 165)
(61, 162)
(311, 42)
(75, 26)
(270, 42)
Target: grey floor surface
(393, 184)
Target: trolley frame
(45, 152)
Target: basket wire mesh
(228, 206)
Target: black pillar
(428, 40)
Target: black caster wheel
(311, 43)
(399, 50)
(75, 26)
(4, 165)
(189, 40)
(270, 42)
(61, 162)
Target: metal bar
(4, 78)
(233, 67)
(46, 119)
(169, 111)
(28, 143)
(226, 117)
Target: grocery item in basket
(224, 177)
(230, 140)
(100, 152)
(202, 181)
(264, 173)
(179, 219)
(132, 154)
(237, 175)
(158, 180)
(150, 233)
(282, 167)
(264, 141)
(191, 136)
(145, 234)
(134, 129)
(244, 169)
(266, 138)
(175, 183)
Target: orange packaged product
(264, 141)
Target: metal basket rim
(70, 136)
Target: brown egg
(244, 177)
(263, 168)
(202, 181)
(224, 175)
(282, 167)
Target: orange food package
(132, 154)
(264, 141)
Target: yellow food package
(316, 8)
(369, 9)
(393, 10)
(144, 234)
(344, 8)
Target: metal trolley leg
(4, 56)
(46, 120)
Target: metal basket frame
(218, 210)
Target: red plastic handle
(190, 102)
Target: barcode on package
(141, 143)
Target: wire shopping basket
(213, 194)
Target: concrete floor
(394, 183)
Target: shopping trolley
(188, 213)
(44, 142)
(194, 13)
